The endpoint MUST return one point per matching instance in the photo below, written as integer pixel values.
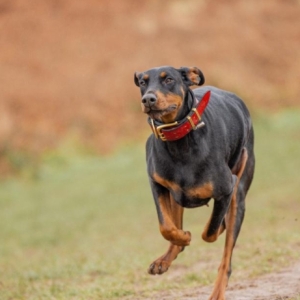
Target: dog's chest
(187, 190)
(193, 177)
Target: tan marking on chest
(166, 183)
(204, 191)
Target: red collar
(179, 129)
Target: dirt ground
(281, 285)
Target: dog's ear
(191, 76)
(136, 78)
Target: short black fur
(213, 162)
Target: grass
(86, 228)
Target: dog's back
(228, 122)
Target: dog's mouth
(159, 113)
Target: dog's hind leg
(216, 224)
(233, 221)
(170, 223)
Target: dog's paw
(162, 264)
(159, 267)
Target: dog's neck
(188, 102)
(181, 148)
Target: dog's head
(163, 90)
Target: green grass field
(86, 227)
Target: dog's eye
(169, 80)
(142, 83)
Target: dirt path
(282, 285)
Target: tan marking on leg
(177, 212)
(243, 163)
(169, 230)
(163, 263)
(238, 170)
(222, 279)
(212, 238)
(171, 211)
(222, 228)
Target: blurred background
(67, 66)
(77, 219)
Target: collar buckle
(157, 130)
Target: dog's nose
(149, 99)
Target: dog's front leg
(170, 216)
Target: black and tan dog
(201, 148)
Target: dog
(201, 148)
